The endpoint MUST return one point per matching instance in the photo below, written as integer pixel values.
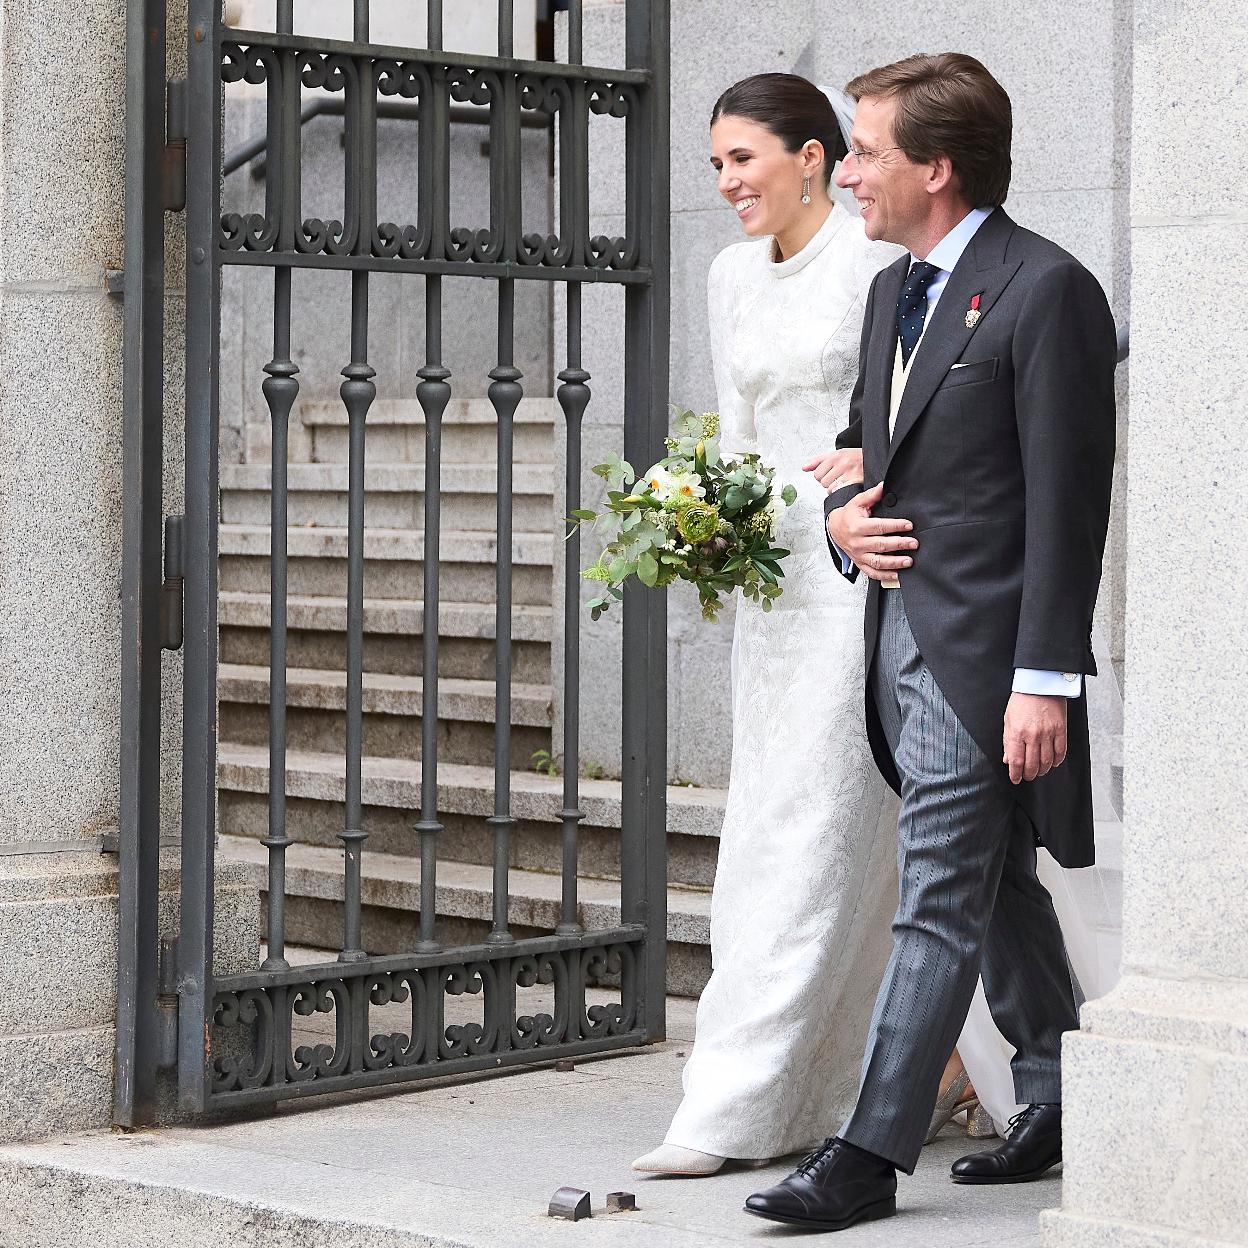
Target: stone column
(62, 163)
(1156, 1082)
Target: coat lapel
(982, 270)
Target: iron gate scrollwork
(263, 1007)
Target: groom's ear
(940, 174)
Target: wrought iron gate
(234, 1040)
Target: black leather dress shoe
(835, 1187)
(1033, 1149)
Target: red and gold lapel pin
(973, 313)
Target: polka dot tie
(912, 306)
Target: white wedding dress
(806, 882)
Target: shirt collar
(946, 254)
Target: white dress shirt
(945, 255)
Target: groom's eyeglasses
(864, 155)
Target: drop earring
(805, 190)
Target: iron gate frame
(260, 1003)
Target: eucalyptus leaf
(789, 494)
(647, 569)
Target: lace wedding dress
(806, 883)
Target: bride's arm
(737, 433)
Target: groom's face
(887, 184)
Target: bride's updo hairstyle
(792, 108)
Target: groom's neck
(943, 214)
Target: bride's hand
(837, 468)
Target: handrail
(253, 148)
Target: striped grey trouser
(970, 904)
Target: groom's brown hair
(949, 104)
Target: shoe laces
(812, 1160)
(1021, 1116)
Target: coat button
(890, 499)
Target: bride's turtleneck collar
(794, 264)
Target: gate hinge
(175, 145)
(167, 1003)
(171, 594)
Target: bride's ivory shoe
(677, 1160)
(673, 1159)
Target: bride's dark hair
(791, 107)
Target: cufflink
(1069, 677)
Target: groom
(985, 413)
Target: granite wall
(1156, 1082)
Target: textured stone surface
(56, 1083)
(63, 141)
(60, 563)
(1170, 1044)
(467, 1166)
(58, 980)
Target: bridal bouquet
(694, 516)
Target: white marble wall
(1157, 1080)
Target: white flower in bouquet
(660, 481)
(687, 488)
(776, 508)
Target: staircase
(393, 681)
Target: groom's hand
(878, 546)
(1035, 735)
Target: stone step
(316, 705)
(396, 431)
(391, 794)
(393, 495)
(390, 894)
(393, 563)
(393, 630)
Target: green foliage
(543, 762)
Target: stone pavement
(453, 1165)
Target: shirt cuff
(1049, 684)
(847, 564)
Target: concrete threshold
(468, 1164)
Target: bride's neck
(808, 223)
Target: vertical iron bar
(506, 28)
(433, 393)
(576, 33)
(505, 393)
(643, 815)
(138, 1038)
(435, 26)
(199, 754)
(573, 395)
(358, 392)
(280, 388)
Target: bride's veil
(843, 106)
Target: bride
(807, 879)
